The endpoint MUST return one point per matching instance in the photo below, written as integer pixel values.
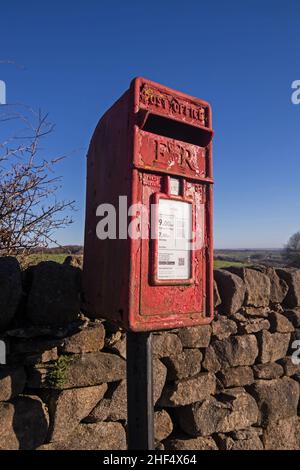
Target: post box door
(178, 286)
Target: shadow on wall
(30, 422)
(24, 420)
(38, 307)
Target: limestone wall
(230, 385)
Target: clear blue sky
(242, 56)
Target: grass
(36, 258)
(219, 263)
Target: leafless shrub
(30, 212)
(292, 250)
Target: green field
(219, 263)
(222, 258)
(59, 258)
(36, 258)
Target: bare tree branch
(30, 213)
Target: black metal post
(140, 391)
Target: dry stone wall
(231, 385)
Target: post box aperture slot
(166, 127)
(172, 260)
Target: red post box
(150, 158)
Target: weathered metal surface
(150, 134)
(170, 156)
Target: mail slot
(148, 252)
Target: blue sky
(242, 56)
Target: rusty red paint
(150, 134)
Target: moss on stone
(58, 374)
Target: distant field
(38, 257)
(223, 258)
(59, 258)
(268, 257)
(219, 263)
